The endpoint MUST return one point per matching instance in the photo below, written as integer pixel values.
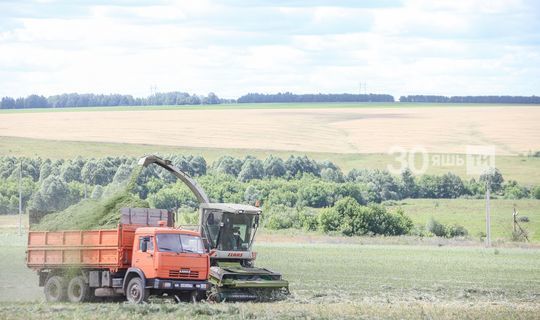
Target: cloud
(235, 47)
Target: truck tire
(55, 289)
(136, 292)
(78, 290)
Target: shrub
(440, 230)
(436, 228)
(536, 192)
(456, 231)
(512, 190)
(280, 217)
(350, 218)
(329, 220)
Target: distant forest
(471, 99)
(291, 97)
(182, 98)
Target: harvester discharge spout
(184, 177)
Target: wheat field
(442, 129)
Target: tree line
(107, 100)
(471, 99)
(296, 192)
(298, 181)
(182, 98)
(291, 97)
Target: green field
(525, 170)
(471, 214)
(297, 105)
(327, 281)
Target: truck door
(143, 257)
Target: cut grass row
(525, 170)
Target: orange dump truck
(142, 257)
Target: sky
(446, 47)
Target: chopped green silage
(92, 214)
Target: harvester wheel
(136, 292)
(78, 290)
(55, 289)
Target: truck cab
(169, 261)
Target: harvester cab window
(212, 226)
(236, 233)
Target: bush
(456, 231)
(536, 192)
(512, 190)
(440, 230)
(282, 217)
(278, 217)
(350, 218)
(329, 220)
(436, 228)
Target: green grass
(314, 105)
(523, 169)
(472, 213)
(327, 280)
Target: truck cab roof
(158, 230)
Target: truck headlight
(167, 285)
(202, 286)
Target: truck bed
(109, 249)
(100, 249)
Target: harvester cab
(228, 231)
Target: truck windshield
(170, 242)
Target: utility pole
(20, 198)
(488, 217)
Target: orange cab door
(144, 260)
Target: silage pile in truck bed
(90, 214)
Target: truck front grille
(177, 274)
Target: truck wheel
(78, 290)
(136, 292)
(55, 289)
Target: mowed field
(437, 129)
(327, 280)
